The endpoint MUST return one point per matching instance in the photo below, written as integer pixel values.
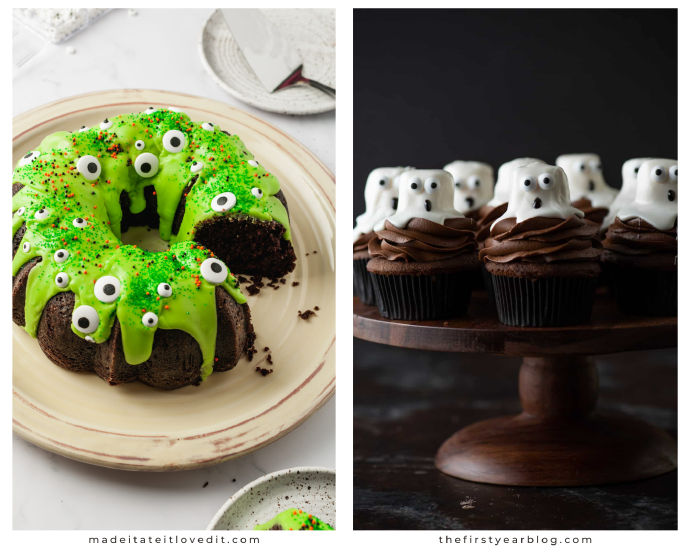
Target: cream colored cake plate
(134, 427)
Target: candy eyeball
(596, 166)
(150, 110)
(150, 319)
(223, 202)
(61, 255)
(79, 223)
(546, 181)
(174, 141)
(196, 166)
(146, 165)
(62, 280)
(42, 214)
(432, 185)
(107, 289)
(528, 184)
(84, 129)
(214, 271)
(139, 144)
(673, 173)
(89, 167)
(26, 247)
(473, 182)
(208, 126)
(21, 211)
(28, 158)
(257, 192)
(415, 186)
(164, 290)
(253, 163)
(106, 124)
(85, 319)
(659, 174)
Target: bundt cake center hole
(145, 238)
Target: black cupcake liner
(423, 297)
(643, 291)
(544, 302)
(363, 285)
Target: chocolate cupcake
(542, 253)
(641, 250)
(589, 192)
(381, 197)
(424, 256)
(473, 186)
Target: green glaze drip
(294, 520)
(53, 183)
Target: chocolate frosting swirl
(488, 215)
(361, 244)
(424, 241)
(594, 213)
(542, 240)
(638, 237)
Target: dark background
(432, 86)
(492, 85)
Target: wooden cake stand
(559, 439)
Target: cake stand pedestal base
(559, 439)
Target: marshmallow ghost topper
(629, 175)
(656, 199)
(539, 191)
(381, 197)
(473, 184)
(586, 181)
(504, 177)
(425, 194)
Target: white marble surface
(52, 492)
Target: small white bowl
(310, 489)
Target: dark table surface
(407, 402)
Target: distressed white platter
(310, 31)
(135, 427)
(309, 488)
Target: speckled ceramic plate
(135, 427)
(309, 489)
(310, 31)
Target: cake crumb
(263, 371)
(295, 283)
(306, 314)
(205, 484)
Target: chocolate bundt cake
(166, 318)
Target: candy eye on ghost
(432, 185)
(89, 167)
(473, 182)
(546, 181)
(146, 165)
(528, 184)
(223, 202)
(673, 173)
(29, 158)
(658, 174)
(173, 141)
(257, 192)
(139, 144)
(415, 186)
(42, 214)
(79, 223)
